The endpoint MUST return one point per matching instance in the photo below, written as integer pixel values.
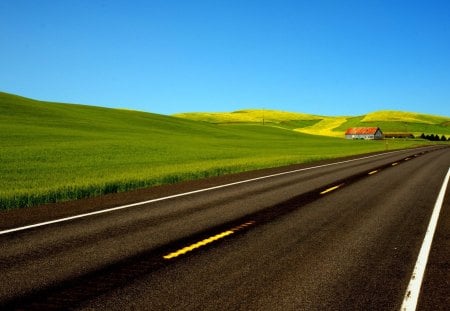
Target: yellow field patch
(325, 127)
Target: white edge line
(184, 194)
(412, 292)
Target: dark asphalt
(353, 248)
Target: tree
(423, 136)
(443, 138)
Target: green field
(53, 152)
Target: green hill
(388, 121)
(53, 152)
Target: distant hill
(248, 116)
(401, 116)
(388, 121)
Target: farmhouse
(364, 133)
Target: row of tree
(434, 137)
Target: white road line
(185, 194)
(412, 292)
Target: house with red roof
(364, 133)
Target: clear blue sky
(324, 57)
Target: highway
(327, 236)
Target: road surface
(339, 236)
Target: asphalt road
(335, 237)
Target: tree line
(434, 137)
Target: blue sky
(322, 57)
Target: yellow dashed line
(201, 243)
(394, 164)
(407, 159)
(331, 189)
(373, 172)
(207, 241)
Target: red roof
(362, 131)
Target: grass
(53, 152)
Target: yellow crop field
(247, 116)
(388, 115)
(325, 127)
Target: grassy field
(53, 152)
(388, 121)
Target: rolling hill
(248, 116)
(54, 152)
(388, 121)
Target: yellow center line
(407, 159)
(331, 189)
(394, 164)
(373, 172)
(207, 241)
